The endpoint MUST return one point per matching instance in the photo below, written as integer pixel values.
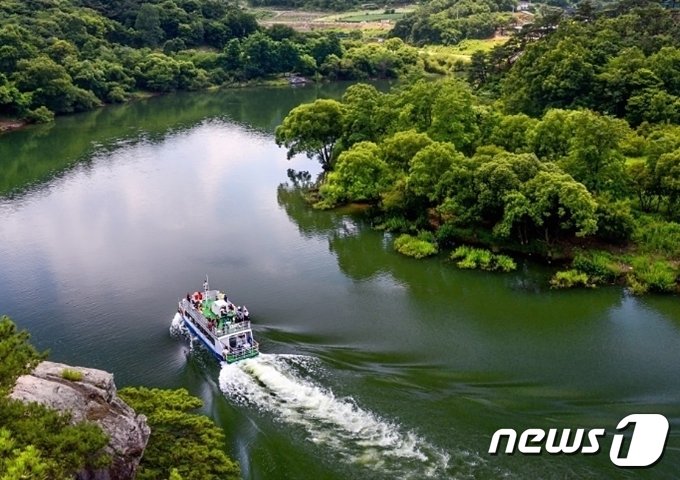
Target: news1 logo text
(645, 447)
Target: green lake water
(375, 366)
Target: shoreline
(11, 124)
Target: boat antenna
(205, 284)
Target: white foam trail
(177, 325)
(271, 383)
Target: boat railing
(243, 352)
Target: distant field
(448, 59)
(307, 20)
(464, 49)
(368, 16)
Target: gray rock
(93, 398)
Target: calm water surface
(376, 367)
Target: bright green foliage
(552, 202)
(454, 116)
(71, 375)
(362, 103)
(480, 258)
(593, 157)
(667, 173)
(655, 275)
(174, 475)
(414, 246)
(17, 356)
(360, 175)
(587, 146)
(513, 132)
(391, 59)
(551, 136)
(18, 463)
(400, 148)
(615, 221)
(658, 236)
(428, 166)
(498, 176)
(182, 443)
(598, 265)
(312, 129)
(570, 279)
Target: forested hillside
(578, 155)
(72, 55)
(624, 62)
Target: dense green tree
(615, 221)
(400, 148)
(14, 46)
(148, 25)
(322, 47)
(51, 86)
(513, 133)
(312, 129)
(667, 173)
(550, 137)
(360, 174)
(552, 203)
(428, 166)
(158, 72)
(594, 157)
(454, 117)
(259, 55)
(17, 356)
(361, 103)
(495, 178)
(189, 444)
(550, 77)
(231, 58)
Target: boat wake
(177, 326)
(281, 386)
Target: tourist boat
(223, 327)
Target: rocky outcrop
(90, 398)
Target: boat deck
(224, 325)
